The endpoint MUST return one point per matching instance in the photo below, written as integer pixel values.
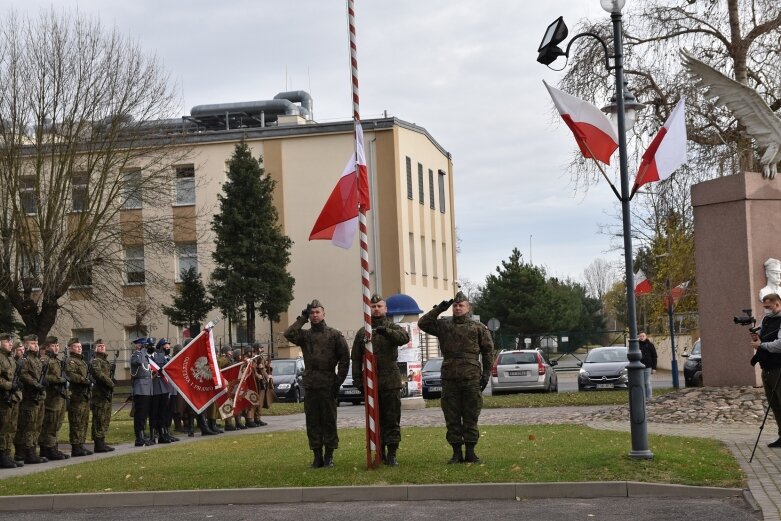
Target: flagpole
(601, 170)
(370, 380)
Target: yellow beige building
(412, 246)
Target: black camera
(748, 320)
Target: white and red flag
(593, 131)
(338, 221)
(156, 369)
(195, 373)
(642, 284)
(230, 379)
(667, 151)
(246, 395)
(676, 293)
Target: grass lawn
(537, 453)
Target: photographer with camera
(767, 345)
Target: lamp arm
(600, 40)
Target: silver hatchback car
(523, 370)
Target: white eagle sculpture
(746, 105)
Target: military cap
(6, 336)
(225, 350)
(99, 341)
(376, 298)
(30, 338)
(161, 343)
(316, 304)
(236, 353)
(18, 345)
(460, 297)
(73, 340)
(51, 340)
(177, 348)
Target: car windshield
(517, 358)
(696, 349)
(283, 368)
(432, 366)
(600, 356)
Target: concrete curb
(259, 496)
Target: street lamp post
(549, 51)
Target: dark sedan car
(432, 378)
(288, 374)
(604, 368)
(348, 392)
(692, 368)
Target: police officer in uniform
(31, 409)
(464, 343)
(141, 381)
(102, 393)
(78, 406)
(54, 404)
(9, 402)
(386, 339)
(324, 350)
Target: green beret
(51, 340)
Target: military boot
(77, 450)
(153, 436)
(31, 457)
(204, 425)
(188, 426)
(19, 452)
(18, 463)
(170, 436)
(140, 440)
(6, 462)
(391, 460)
(229, 425)
(100, 445)
(457, 457)
(328, 457)
(161, 437)
(213, 426)
(58, 451)
(318, 461)
(53, 454)
(471, 457)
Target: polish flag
(230, 378)
(676, 293)
(195, 373)
(667, 151)
(593, 131)
(247, 394)
(338, 221)
(642, 284)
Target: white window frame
(184, 187)
(134, 257)
(132, 190)
(186, 257)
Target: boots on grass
(31, 457)
(100, 445)
(204, 425)
(53, 454)
(471, 457)
(328, 457)
(78, 450)
(317, 462)
(458, 456)
(19, 453)
(215, 428)
(18, 463)
(6, 461)
(141, 441)
(391, 459)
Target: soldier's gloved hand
(444, 305)
(483, 382)
(305, 312)
(380, 330)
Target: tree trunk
(250, 322)
(271, 339)
(35, 321)
(230, 331)
(738, 51)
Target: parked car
(432, 378)
(523, 370)
(604, 368)
(288, 374)
(348, 392)
(692, 368)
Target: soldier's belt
(467, 356)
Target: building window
(431, 189)
(444, 261)
(421, 198)
(27, 195)
(412, 253)
(185, 184)
(186, 258)
(83, 276)
(441, 191)
(134, 265)
(79, 192)
(31, 271)
(434, 257)
(423, 255)
(409, 178)
(132, 194)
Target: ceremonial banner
(194, 371)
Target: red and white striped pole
(370, 366)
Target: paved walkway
(763, 474)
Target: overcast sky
(463, 69)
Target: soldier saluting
(463, 342)
(324, 349)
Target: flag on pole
(642, 284)
(595, 134)
(247, 394)
(676, 293)
(338, 221)
(156, 369)
(667, 151)
(195, 373)
(230, 378)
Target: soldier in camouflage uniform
(54, 404)
(31, 409)
(324, 349)
(464, 343)
(78, 407)
(9, 402)
(102, 393)
(386, 339)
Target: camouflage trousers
(53, 418)
(9, 414)
(390, 416)
(320, 412)
(78, 419)
(30, 422)
(461, 404)
(101, 417)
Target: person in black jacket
(648, 352)
(768, 352)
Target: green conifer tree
(191, 305)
